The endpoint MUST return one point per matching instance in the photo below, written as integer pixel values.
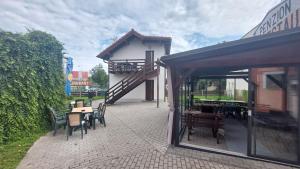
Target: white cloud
(87, 27)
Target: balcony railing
(125, 66)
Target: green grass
(12, 153)
(98, 97)
(214, 97)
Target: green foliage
(99, 76)
(245, 95)
(31, 79)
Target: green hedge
(31, 77)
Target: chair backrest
(53, 114)
(100, 107)
(74, 119)
(79, 103)
(71, 106)
(103, 109)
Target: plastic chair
(57, 120)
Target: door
(149, 60)
(149, 90)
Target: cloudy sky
(86, 27)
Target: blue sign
(69, 69)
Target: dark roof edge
(105, 54)
(225, 45)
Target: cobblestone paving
(135, 137)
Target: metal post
(176, 105)
(192, 91)
(165, 75)
(234, 90)
(298, 98)
(219, 89)
(80, 91)
(250, 98)
(284, 86)
(157, 89)
(206, 88)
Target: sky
(86, 27)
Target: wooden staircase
(131, 82)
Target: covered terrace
(268, 125)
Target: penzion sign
(284, 16)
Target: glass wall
(275, 113)
(273, 126)
(184, 96)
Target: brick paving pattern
(135, 137)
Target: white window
(272, 80)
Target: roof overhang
(107, 53)
(275, 48)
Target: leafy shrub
(31, 78)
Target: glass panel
(275, 117)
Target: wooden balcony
(125, 66)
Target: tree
(99, 76)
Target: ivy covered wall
(31, 78)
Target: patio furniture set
(211, 114)
(79, 116)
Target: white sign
(284, 16)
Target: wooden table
(207, 107)
(82, 110)
(85, 110)
(202, 119)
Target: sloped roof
(107, 53)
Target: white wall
(241, 84)
(136, 50)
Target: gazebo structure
(270, 118)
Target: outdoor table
(83, 110)
(203, 119)
(207, 107)
(86, 111)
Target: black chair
(57, 120)
(100, 114)
(79, 103)
(98, 108)
(75, 120)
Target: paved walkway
(135, 137)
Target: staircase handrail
(130, 79)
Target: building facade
(132, 67)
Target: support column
(284, 89)
(157, 79)
(176, 87)
(219, 89)
(206, 88)
(171, 123)
(157, 90)
(234, 89)
(165, 84)
(298, 98)
(191, 83)
(250, 112)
